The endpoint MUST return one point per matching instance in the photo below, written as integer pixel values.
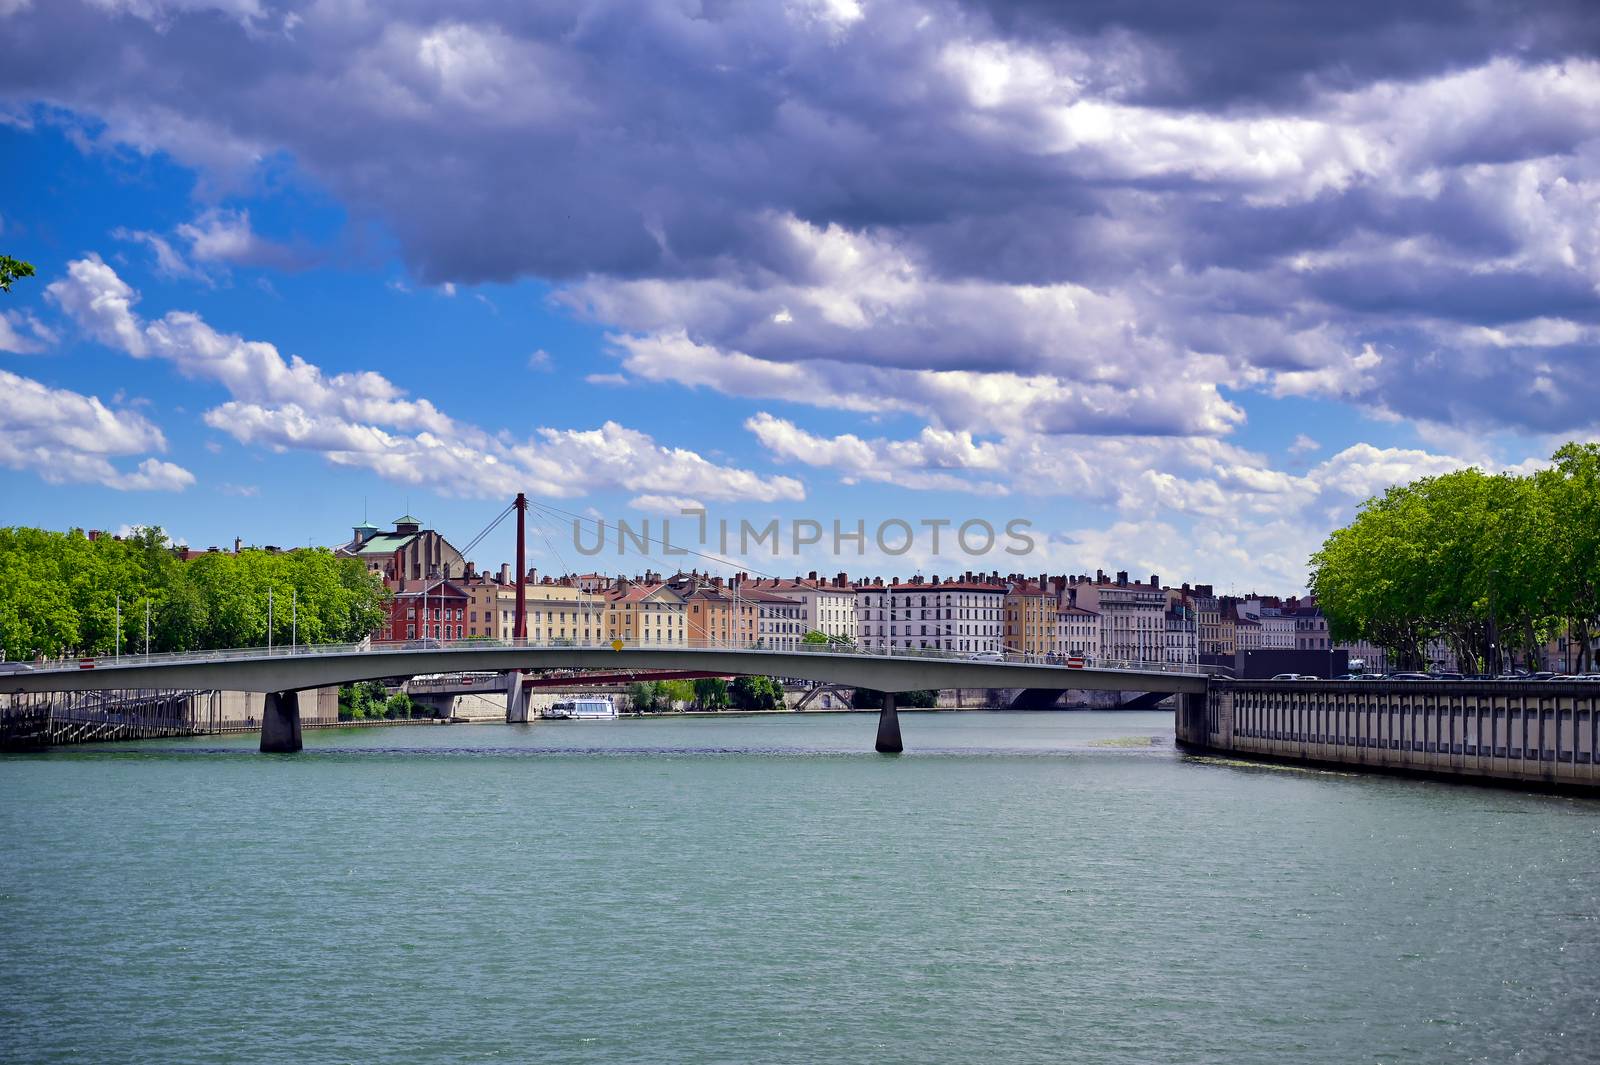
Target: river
(1016, 888)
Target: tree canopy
(1495, 565)
(13, 270)
(59, 595)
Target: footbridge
(283, 673)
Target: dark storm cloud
(1102, 195)
(1258, 52)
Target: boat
(583, 708)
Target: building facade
(646, 614)
(1030, 619)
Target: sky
(1177, 285)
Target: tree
(674, 693)
(814, 637)
(13, 270)
(642, 696)
(362, 701)
(1494, 565)
(755, 693)
(710, 693)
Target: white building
(782, 622)
(962, 616)
(1077, 633)
(830, 605)
(1133, 616)
(872, 615)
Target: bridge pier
(516, 699)
(889, 727)
(280, 723)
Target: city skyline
(1180, 301)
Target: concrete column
(516, 699)
(1191, 720)
(280, 723)
(889, 727)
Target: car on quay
(1410, 676)
(1295, 676)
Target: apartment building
(963, 615)
(645, 614)
(1030, 618)
(1133, 623)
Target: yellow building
(560, 612)
(1030, 624)
(491, 608)
(646, 614)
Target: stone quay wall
(1542, 733)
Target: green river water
(1015, 888)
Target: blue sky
(830, 260)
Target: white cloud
(363, 419)
(66, 437)
(23, 334)
(669, 505)
(1303, 444)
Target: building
(1133, 616)
(1182, 645)
(645, 614)
(780, 620)
(872, 615)
(409, 553)
(1030, 617)
(714, 615)
(491, 605)
(561, 613)
(961, 615)
(829, 604)
(1077, 632)
(433, 608)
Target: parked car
(1409, 676)
(987, 656)
(1447, 676)
(1295, 676)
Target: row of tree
(63, 594)
(706, 693)
(368, 700)
(1496, 566)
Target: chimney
(1099, 576)
(505, 573)
(1155, 581)
(238, 545)
(1122, 577)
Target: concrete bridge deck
(258, 670)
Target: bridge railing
(404, 647)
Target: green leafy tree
(815, 637)
(60, 595)
(710, 693)
(755, 693)
(676, 693)
(362, 701)
(13, 270)
(642, 696)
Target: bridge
(282, 674)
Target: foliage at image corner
(1495, 565)
(59, 594)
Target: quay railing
(400, 648)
